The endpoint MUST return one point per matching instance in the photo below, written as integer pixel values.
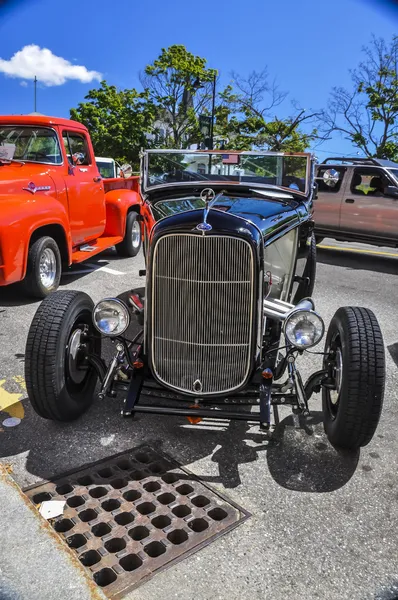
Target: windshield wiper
(8, 161)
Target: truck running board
(85, 251)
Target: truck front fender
(17, 228)
(118, 204)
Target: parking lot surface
(324, 524)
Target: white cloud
(49, 69)
(24, 84)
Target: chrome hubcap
(136, 234)
(48, 268)
(338, 377)
(76, 374)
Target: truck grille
(202, 312)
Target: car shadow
(358, 261)
(299, 457)
(14, 295)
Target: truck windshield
(257, 169)
(31, 144)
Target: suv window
(75, 143)
(322, 187)
(368, 182)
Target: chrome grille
(202, 312)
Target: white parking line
(92, 268)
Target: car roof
(358, 162)
(38, 119)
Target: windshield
(394, 173)
(106, 169)
(31, 144)
(287, 171)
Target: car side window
(331, 189)
(368, 182)
(76, 144)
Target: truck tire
(306, 286)
(355, 361)
(60, 386)
(319, 239)
(131, 244)
(44, 268)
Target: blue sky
(308, 45)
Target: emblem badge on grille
(197, 386)
(204, 227)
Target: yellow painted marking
(10, 402)
(360, 250)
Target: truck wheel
(131, 244)
(356, 365)
(306, 287)
(59, 383)
(319, 239)
(44, 268)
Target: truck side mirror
(126, 170)
(391, 191)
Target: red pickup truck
(55, 208)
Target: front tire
(44, 268)
(60, 385)
(131, 244)
(355, 360)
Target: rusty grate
(129, 516)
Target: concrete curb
(35, 564)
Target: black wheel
(356, 364)
(131, 244)
(44, 268)
(59, 383)
(306, 286)
(319, 239)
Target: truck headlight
(303, 328)
(111, 316)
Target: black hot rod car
(230, 259)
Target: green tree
(367, 115)
(117, 120)
(244, 117)
(180, 86)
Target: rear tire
(57, 387)
(131, 244)
(351, 413)
(44, 268)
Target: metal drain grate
(133, 514)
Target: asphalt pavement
(323, 524)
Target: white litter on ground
(52, 508)
(11, 422)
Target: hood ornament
(208, 195)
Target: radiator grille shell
(202, 311)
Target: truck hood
(25, 181)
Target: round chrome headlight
(111, 316)
(303, 328)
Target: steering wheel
(36, 155)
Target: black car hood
(266, 214)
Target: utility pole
(35, 88)
(213, 108)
